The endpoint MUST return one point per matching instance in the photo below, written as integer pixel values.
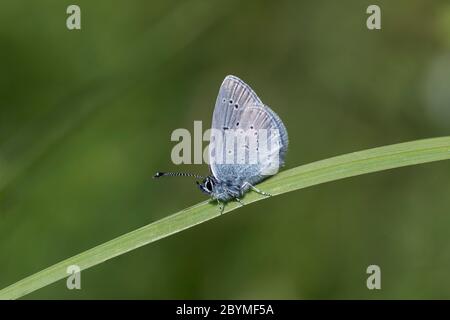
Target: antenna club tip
(158, 174)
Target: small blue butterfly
(234, 170)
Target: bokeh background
(86, 118)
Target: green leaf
(348, 165)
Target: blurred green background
(86, 118)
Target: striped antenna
(177, 174)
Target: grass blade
(348, 165)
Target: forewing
(248, 140)
(234, 96)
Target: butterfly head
(208, 185)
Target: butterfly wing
(239, 113)
(234, 97)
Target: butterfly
(248, 144)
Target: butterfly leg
(255, 189)
(240, 202)
(221, 206)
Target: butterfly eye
(208, 185)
